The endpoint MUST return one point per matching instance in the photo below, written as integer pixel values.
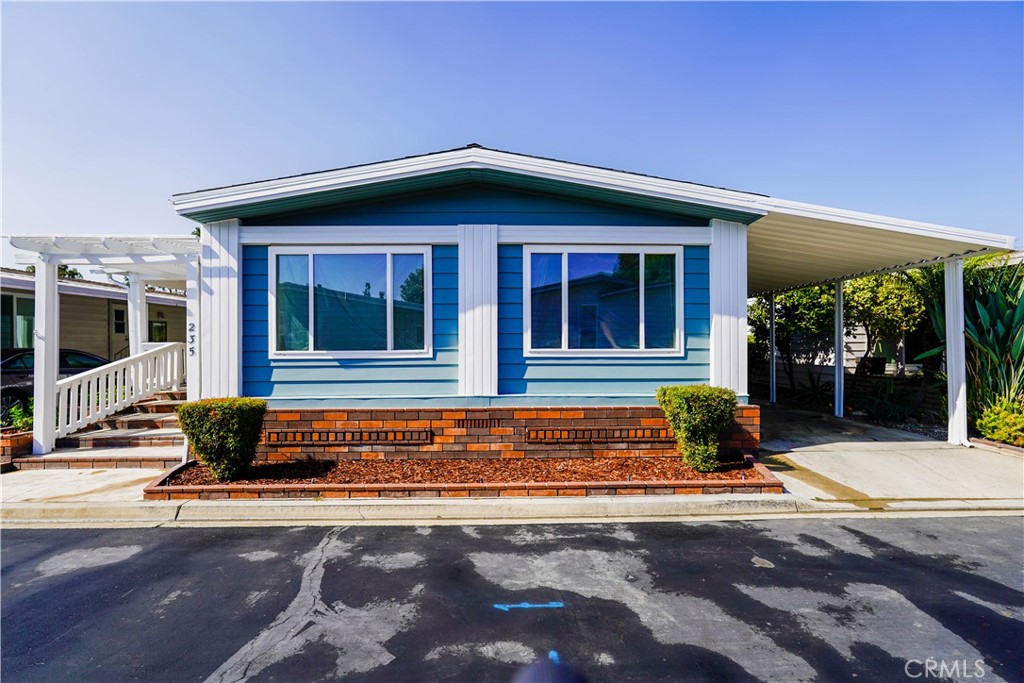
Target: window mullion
(643, 326)
(389, 302)
(312, 294)
(565, 300)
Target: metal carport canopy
(798, 244)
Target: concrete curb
(481, 511)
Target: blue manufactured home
(479, 278)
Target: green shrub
(223, 432)
(1003, 422)
(19, 418)
(697, 414)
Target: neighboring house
(94, 315)
(480, 278)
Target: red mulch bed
(467, 471)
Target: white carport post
(138, 314)
(839, 350)
(956, 353)
(772, 380)
(47, 356)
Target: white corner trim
(729, 306)
(220, 304)
(478, 310)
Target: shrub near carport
(697, 414)
(223, 432)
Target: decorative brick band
(768, 483)
(598, 435)
(372, 436)
(405, 433)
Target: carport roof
(790, 244)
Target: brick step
(176, 395)
(102, 460)
(123, 438)
(157, 406)
(140, 421)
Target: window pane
(6, 321)
(407, 289)
(604, 301)
(546, 301)
(24, 323)
(350, 305)
(660, 300)
(292, 302)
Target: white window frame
(15, 297)
(565, 249)
(317, 250)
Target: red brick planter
(12, 445)
(158, 490)
(583, 432)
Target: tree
(412, 288)
(66, 272)
(803, 326)
(887, 307)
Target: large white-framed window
(349, 301)
(602, 300)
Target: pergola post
(47, 356)
(956, 353)
(138, 314)
(193, 367)
(840, 371)
(772, 379)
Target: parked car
(16, 377)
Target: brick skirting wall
(390, 433)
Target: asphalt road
(786, 600)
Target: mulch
(467, 471)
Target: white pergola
(170, 261)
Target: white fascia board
(989, 240)
(473, 158)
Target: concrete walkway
(827, 458)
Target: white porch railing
(90, 396)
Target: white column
(46, 343)
(840, 351)
(956, 353)
(478, 310)
(193, 359)
(138, 314)
(220, 310)
(772, 379)
(729, 306)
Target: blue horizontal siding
(338, 379)
(476, 204)
(605, 375)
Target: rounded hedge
(223, 432)
(697, 414)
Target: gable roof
(790, 244)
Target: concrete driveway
(850, 460)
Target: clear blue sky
(910, 110)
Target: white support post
(478, 310)
(46, 370)
(193, 359)
(729, 306)
(138, 314)
(220, 309)
(956, 353)
(772, 379)
(840, 371)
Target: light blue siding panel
(349, 377)
(697, 296)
